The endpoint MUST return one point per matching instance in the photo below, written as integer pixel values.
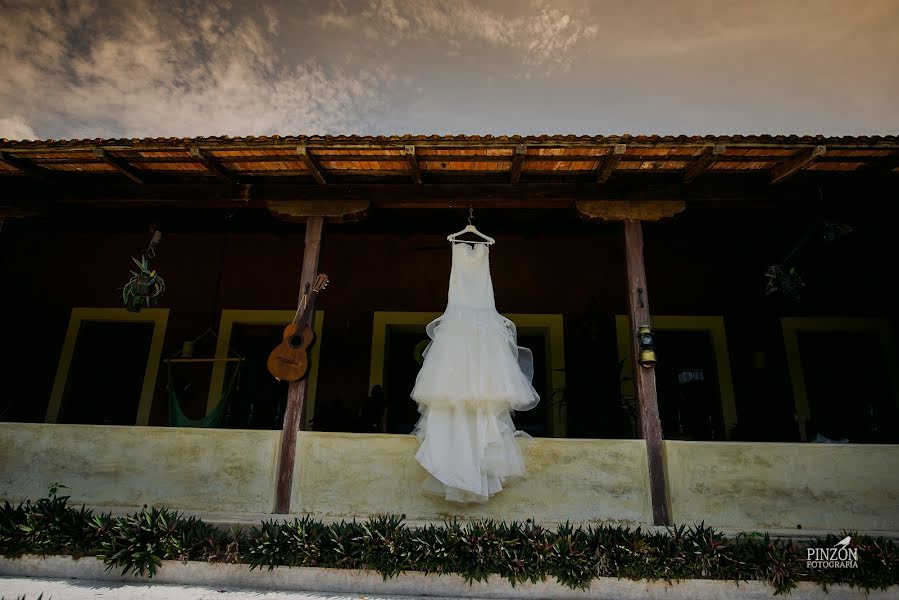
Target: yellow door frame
(550, 325)
(231, 317)
(793, 326)
(714, 325)
(158, 316)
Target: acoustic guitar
(289, 361)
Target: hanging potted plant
(145, 285)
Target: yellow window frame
(232, 317)
(793, 326)
(157, 316)
(714, 325)
(550, 325)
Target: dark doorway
(687, 386)
(258, 400)
(847, 381)
(107, 373)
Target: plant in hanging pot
(144, 287)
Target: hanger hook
(470, 214)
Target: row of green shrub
(518, 552)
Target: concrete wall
(782, 485)
(342, 474)
(728, 484)
(198, 469)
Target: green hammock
(216, 418)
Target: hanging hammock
(215, 418)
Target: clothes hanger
(473, 230)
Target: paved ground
(13, 588)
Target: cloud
(15, 128)
(139, 69)
(545, 37)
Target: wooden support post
(296, 393)
(645, 379)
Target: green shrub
(517, 552)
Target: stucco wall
(199, 469)
(731, 484)
(339, 474)
(782, 485)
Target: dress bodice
(470, 284)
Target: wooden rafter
(120, 165)
(797, 162)
(518, 162)
(610, 163)
(212, 165)
(414, 170)
(311, 164)
(886, 165)
(702, 161)
(26, 166)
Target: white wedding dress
(473, 375)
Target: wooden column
(296, 393)
(645, 379)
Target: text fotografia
(840, 556)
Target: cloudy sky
(134, 68)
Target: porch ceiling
(402, 171)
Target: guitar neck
(303, 318)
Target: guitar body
(289, 361)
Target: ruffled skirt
(473, 377)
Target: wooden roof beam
(634, 209)
(794, 164)
(120, 165)
(610, 163)
(213, 165)
(334, 211)
(311, 165)
(517, 163)
(414, 169)
(703, 160)
(25, 165)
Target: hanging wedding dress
(473, 375)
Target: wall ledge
(418, 584)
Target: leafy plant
(144, 287)
(517, 552)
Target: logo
(840, 556)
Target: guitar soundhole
(296, 341)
